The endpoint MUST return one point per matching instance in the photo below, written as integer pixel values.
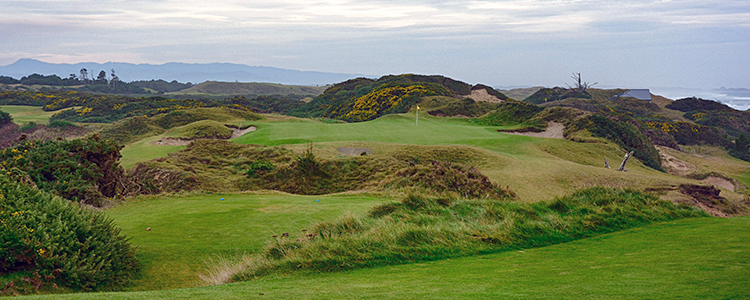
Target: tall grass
(424, 228)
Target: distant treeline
(99, 84)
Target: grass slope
(188, 230)
(24, 114)
(704, 258)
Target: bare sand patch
(168, 141)
(674, 165)
(719, 182)
(482, 95)
(554, 130)
(240, 132)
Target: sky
(629, 44)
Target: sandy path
(554, 130)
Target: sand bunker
(554, 130)
(353, 151)
(170, 141)
(719, 182)
(240, 132)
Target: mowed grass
(186, 231)
(25, 114)
(145, 150)
(703, 258)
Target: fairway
(399, 129)
(704, 258)
(24, 114)
(187, 230)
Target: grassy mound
(422, 228)
(216, 165)
(46, 240)
(202, 130)
(513, 113)
(365, 99)
(452, 107)
(131, 129)
(136, 128)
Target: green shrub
(61, 124)
(5, 118)
(28, 126)
(85, 170)
(512, 113)
(259, 167)
(59, 242)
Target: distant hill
(182, 72)
(251, 88)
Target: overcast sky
(635, 44)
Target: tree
(102, 77)
(580, 86)
(84, 77)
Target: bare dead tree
(624, 161)
(580, 85)
(606, 163)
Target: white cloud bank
(473, 40)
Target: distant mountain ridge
(182, 72)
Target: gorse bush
(60, 243)
(83, 170)
(422, 228)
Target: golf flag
(417, 115)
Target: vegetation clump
(423, 228)
(625, 134)
(48, 241)
(513, 113)
(83, 170)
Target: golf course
(446, 207)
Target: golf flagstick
(417, 115)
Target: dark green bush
(63, 244)
(259, 167)
(85, 170)
(5, 118)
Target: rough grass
(422, 228)
(700, 258)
